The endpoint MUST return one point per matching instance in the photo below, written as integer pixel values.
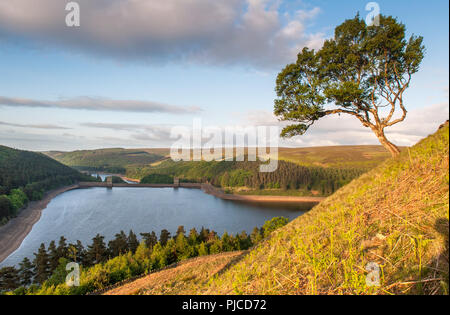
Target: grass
(395, 216)
(189, 275)
(362, 156)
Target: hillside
(396, 216)
(108, 160)
(358, 156)
(26, 176)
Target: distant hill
(27, 175)
(108, 160)
(393, 219)
(358, 156)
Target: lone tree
(363, 71)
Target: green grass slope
(395, 216)
(357, 156)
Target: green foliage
(18, 199)
(246, 174)
(274, 224)
(362, 69)
(157, 179)
(27, 175)
(123, 259)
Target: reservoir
(81, 214)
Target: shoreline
(14, 232)
(211, 190)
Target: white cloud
(103, 104)
(347, 130)
(248, 32)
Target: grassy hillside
(396, 216)
(138, 161)
(361, 156)
(108, 160)
(190, 274)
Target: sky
(134, 69)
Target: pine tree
(62, 248)
(9, 279)
(164, 237)
(133, 242)
(41, 265)
(150, 239)
(53, 256)
(202, 249)
(97, 252)
(193, 236)
(26, 273)
(180, 230)
(119, 245)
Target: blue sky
(215, 71)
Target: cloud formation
(101, 104)
(347, 130)
(247, 32)
(43, 126)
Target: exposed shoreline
(211, 190)
(14, 232)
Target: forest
(121, 258)
(26, 176)
(288, 176)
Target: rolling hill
(108, 160)
(392, 222)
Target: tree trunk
(392, 148)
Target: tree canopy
(363, 71)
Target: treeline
(27, 175)
(239, 174)
(122, 258)
(157, 179)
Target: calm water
(81, 214)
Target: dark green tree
(164, 237)
(133, 242)
(363, 71)
(26, 273)
(150, 239)
(63, 250)
(6, 208)
(119, 245)
(41, 265)
(53, 256)
(97, 251)
(9, 279)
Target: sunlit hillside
(395, 216)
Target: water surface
(82, 213)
